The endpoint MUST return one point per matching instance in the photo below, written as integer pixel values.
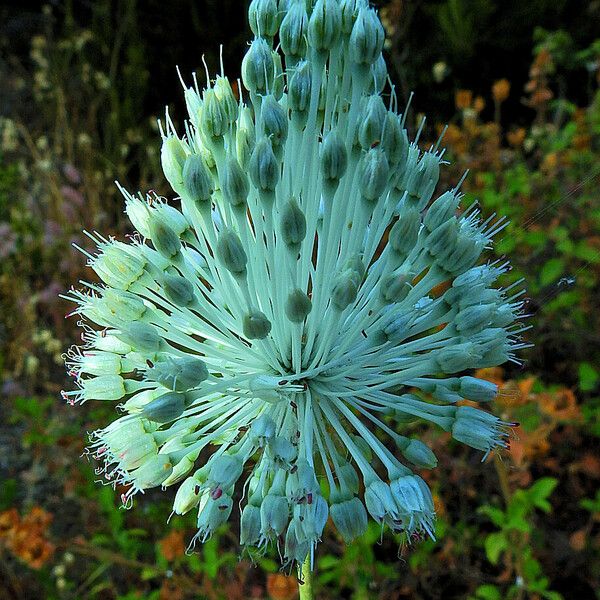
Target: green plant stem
(305, 585)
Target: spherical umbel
(270, 332)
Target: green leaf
(496, 516)
(495, 544)
(588, 377)
(540, 490)
(488, 592)
(551, 271)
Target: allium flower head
(304, 297)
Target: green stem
(305, 585)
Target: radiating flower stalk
(268, 334)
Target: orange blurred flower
(281, 587)
(517, 137)
(463, 98)
(172, 546)
(501, 90)
(478, 104)
(561, 405)
(9, 520)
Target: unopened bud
(372, 121)
(178, 290)
(324, 25)
(373, 174)
(165, 408)
(197, 179)
(165, 240)
(256, 325)
(234, 183)
(258, 68)
(231, 253)
(293, 31)
(275, 120)
(297, 306)
(263, 17)
(293, 225)
(367, 37)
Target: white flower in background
(309, 296)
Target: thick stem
(305, 585)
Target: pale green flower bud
(225, 96)
(367, 37)
(165, 408)
(324, 25)
(197, 179)
(264, 168)
(262, 430)
(394, 288)
(172, 156)
(293, 31)
(349, 518)
(109, 342)
(275, 121)
(118, 265)
(299, 88)
(152, 472)
(234, 183)
(256, 325)
(282, 450)
(225, 470)
(245, 137)
(258, 67)
(274, 515)
(380, 501)
(442, 209)
(138, 213)
(294, 549)
(405, 232)
(459, 357)
(231, 253)
(373, 174)
(178, 290)
(297, 306)
(379, 77)
(142, 337)
(165, 240)
(263, 17)
(345, 290)
(334, 159)
(250, 525)
(478, 429)
(478, 390)
(100, 363)
(465, 254)
(212, 512)
(179, 374)
(187, 496)
(413, 498)
(349, 11)
(442, 240)
(311, 516)
(104, 387)
(181, 469)
(474, 318)
(293, 225)
(214, 122)
(394, 140)
(420, 454)
(372, 121)
(422, 185)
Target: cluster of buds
(307, 296)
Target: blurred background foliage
(516, 84)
